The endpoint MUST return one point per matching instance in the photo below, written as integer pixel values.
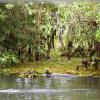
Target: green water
(54, 88)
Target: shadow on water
(57, 87)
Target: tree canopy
(32, 28)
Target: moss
(60, 65)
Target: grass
(55, 64)
(60, 65)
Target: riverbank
(60, 65)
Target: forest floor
(59, 65)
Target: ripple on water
(46, 91)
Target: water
(52, 1)
(58, 87)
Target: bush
(8, 59)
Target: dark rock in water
(47, 73)
(29, 74)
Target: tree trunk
(49, 47)
(37, 56)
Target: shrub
(8, 59)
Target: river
(52, 1)
(54, 88)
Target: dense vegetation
(29, 32)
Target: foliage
(2, 16)
(98, 35)
(81, 18)
(8, 59)
(25, 27)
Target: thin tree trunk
(37, 56)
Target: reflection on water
(50, 1)
(54, 88)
